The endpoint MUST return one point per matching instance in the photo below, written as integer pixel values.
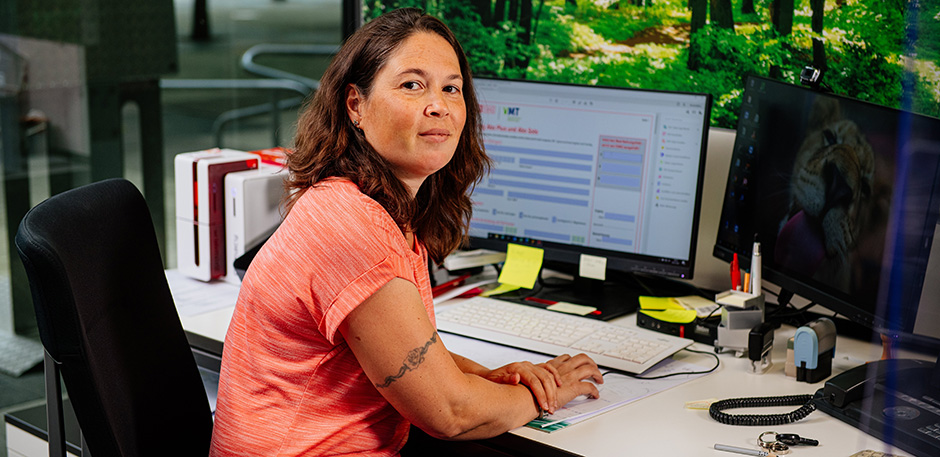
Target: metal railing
(273, 80)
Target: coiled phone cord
(808, 406)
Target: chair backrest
(106, 316)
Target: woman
(332, 348)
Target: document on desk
(617, 390)
(194, 297)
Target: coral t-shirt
(289, 384)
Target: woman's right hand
(573, 373)
(542, 380)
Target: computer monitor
(844, 197)
(581, 171)
(815, 176)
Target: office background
(196, 115)
(188, 116)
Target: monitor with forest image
(883, 52)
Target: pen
(735, 273)
(471, 293)
(741, 450)
(755, 268)
(437, 290)
(541, 301)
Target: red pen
(435, 291)
(541, 301)
(735, 273)
(471, 293)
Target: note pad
(522, 266)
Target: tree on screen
(882, 51)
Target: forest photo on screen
(881, 51)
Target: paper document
(194, 297)
(701, 307)
(617, 390)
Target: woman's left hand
(542, 379)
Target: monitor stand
(895, 400)
(611, 298)
(617, 296)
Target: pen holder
(740, 313)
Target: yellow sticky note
(501, 289)
(700, 404)
(675, 316)
(522, 266)
(658, 303)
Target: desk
(660, 425)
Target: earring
(356, 123)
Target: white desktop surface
(660, 425)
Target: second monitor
(579, 171)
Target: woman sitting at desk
(332, 348)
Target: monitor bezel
(616, 260)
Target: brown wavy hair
(328, 145)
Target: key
(778, 448)
(793, 439)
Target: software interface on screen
(601, 169)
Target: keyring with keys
(772, 445)
(789, 439)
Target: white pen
(741, 450)
(755, 269)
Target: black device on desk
(845, 197)
(614, 173)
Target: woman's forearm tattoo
(414, 358)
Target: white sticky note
(592, 266)
(571, 308)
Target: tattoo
(414, 358)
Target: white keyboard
(627, 349)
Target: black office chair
(108, 323)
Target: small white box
(252, 210)
(200, 213)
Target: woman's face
(415, 112)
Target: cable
(709, 316)
(795, 312)
(717, 363)
(806, 400)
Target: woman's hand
(553, 383)
(573, 373)
(542, 379)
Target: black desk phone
(896, 401)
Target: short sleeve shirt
(289, 383)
